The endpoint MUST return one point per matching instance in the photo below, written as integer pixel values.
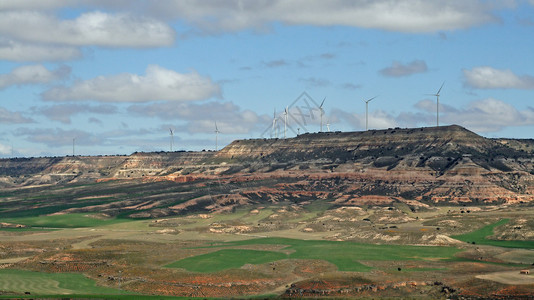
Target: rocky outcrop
(159, 164)
(70, 169)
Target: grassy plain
(481, 235)
(226, 259)
(73, 220)
(21, 281)
(345, 255)
(259, 249)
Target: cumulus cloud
(158, 84)
(32, 74)
(491, 78)
(89, 29)
(377, 119)
(397, 69)
(11, 117)
(430, 106)
(200, 117)
(483, 116)
(486, 115)
(490, 115)
(57, 137)
(30, 4)
(18, 51)
(5, 149)
(63, 112)
(394, 15)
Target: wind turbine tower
(216, 136)
(285, 121)
(273, 131)
(73, 141)
(172, 137)
(437, 103)
(367, 112)
(321, 110)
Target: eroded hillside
(417, 167)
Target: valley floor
(306, 249)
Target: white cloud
(89, 29)
(487, 115)
(426, 105)
(201, 117)
(18, 51)
(158, 84)
(398, 69)
(11, 117)
(394, 15)
(490, 115)
(64, 112)
(57, 137)
(32, 74)
(490, 78)
(5, 150)
(378, 119)
(31, 4)
(430, 106)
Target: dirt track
(508, 277)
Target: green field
(65, 221)
(347, 256)
(20, 281)
(480, 237)
(226, 259)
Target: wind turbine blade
(321, 106)
(437, 94)
(216, 129)
(369, 100)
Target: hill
(416, 166)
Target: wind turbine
(327, 125)
(216, 136)
(322, 113)
(273, 131)
(73, 140)
(172, 137)
(285, 121)
(437, 103)
(367, 112)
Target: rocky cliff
(82, 169)
(439, 149)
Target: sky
(96, 77)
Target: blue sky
(114, 76)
